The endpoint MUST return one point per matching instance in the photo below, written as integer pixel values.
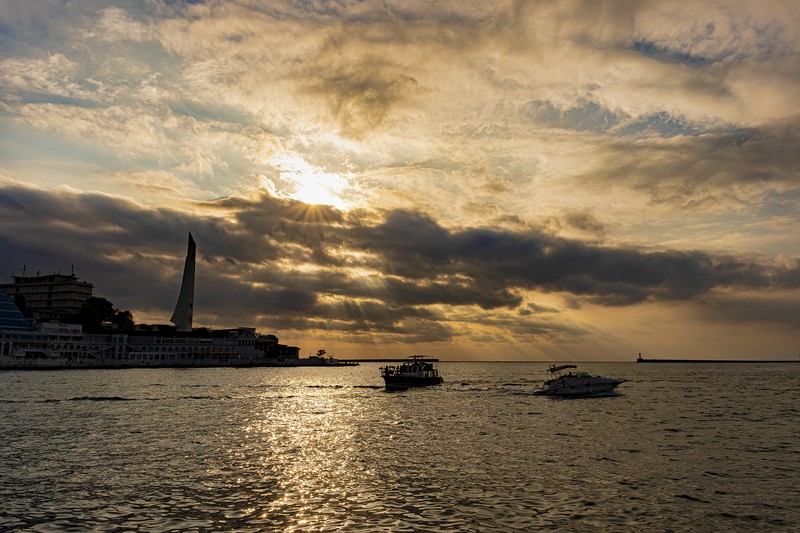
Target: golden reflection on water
(327, 450)
(307, 446)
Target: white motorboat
(568, 382)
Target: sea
(679, 447)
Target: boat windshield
(553, 369)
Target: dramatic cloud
(282, 265)
(515, 179)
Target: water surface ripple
(699, 447)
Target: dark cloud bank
(248, 271)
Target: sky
(525, 180)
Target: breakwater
(641, 360)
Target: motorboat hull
(577, 386)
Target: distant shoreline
(386, 360)
(139, 365)
(346, 363)
(641, 360)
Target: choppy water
(682, 447)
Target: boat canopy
(559, 368)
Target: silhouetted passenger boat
(419, 371)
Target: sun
(320, 189)
(309, 184)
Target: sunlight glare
(310, 184)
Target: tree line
(96, 315)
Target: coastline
(121, 365)
(751, 361)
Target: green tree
(22, 305)
(95, 311)
(123, 320)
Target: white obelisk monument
(182, 317)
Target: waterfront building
(53, 344)
(272, 348)
(11, 317)
(63, 345)
(54, 297)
